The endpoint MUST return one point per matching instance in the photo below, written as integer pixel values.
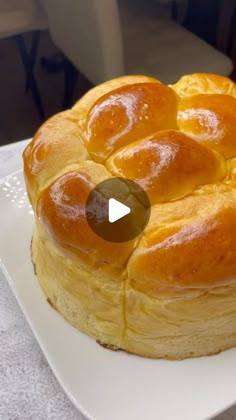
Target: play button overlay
(117, 210)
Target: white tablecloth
(28, 388)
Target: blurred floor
(19, 118)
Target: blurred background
(53, 51)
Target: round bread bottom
(194, 323)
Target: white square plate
(106, 385)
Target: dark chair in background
(106, 38)
(16, 18)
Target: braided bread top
(178, 142)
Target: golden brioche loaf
(171, 292)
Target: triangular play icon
(116, 210)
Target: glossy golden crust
(61, 209)
(211, 120)
(198, 253)
(55, 145)
(126, 114)
(168, 165)
(179, 144)
(193, 84)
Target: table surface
(28, 388)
